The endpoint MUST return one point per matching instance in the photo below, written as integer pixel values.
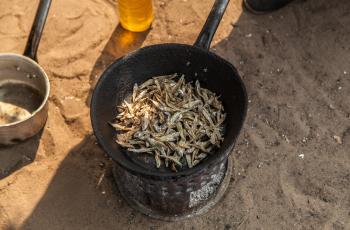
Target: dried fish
(134, 92)
(192, 104)
(129, 107)
(177, 116)
(179, 83)
(147, 83)
(157, 158)
(120, 127)
(124, 144)
(145, 121)
(141, 95)
(169, 138)
(172, 120)
(207, 116)
(173, 159)
(141, 150)
(189, 160)
(181, 131)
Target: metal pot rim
(47, 85)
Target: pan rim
(47, 85)
(136, 169)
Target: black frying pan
(197, 63)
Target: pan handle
(37, 29)
(206, 35)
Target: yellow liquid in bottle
(135, 15)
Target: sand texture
(291, 162)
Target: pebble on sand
(338, 139)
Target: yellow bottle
(135, 15)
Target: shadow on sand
(13, 158)
(83, 195)
(121, 42)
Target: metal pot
(24, 87)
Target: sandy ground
(292, 160)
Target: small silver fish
(141, 150)
(168, 138)
(189, 160)
(192, 104)
(145, 121)
(173, 120)
(120, 127)
(134, 92)
(173, 159)
(157, 158)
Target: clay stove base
(214, 199)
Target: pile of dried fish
(171, 120)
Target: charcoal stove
(174, 198)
